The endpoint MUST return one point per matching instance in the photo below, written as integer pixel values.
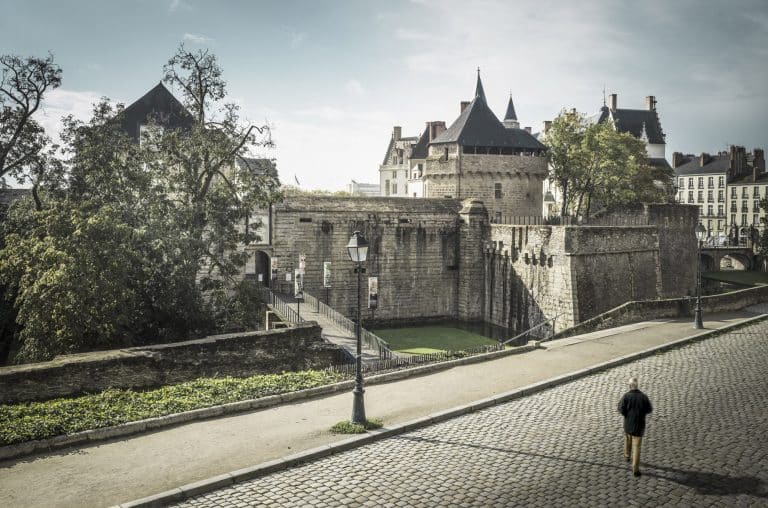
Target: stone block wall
(414, 252)
(238, 355)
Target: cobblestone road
(706, 445)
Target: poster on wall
(261, 277)
(298, 287)
(302, 263)
(373, 292)
(326, 274)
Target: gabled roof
(717, 164)
(160, 104)
(258, 167)
(476, 125)
(510, 115)
(635, 121)
(391, 145)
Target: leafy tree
(213, 194)
(292, 190)
(596, 166)
(23, 84)
(564, 139)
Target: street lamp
(358, 252)
(701, 233)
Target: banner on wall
(373, 292)
(326, 274)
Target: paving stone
(706, 445)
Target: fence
(549, 331)
(403, 361)
(607, 220)
(370, 340)
(281, 306)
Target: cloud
(59, 103)
(177, 5)
(297, 38)
(332, 114)
(354, 87)
(197, 39)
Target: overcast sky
(333, 77)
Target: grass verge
(347, 427)
(29, 421)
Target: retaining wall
(239, 355)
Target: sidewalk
(116, 471)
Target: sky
(333, 77)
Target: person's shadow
(709, 484)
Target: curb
(126, 429)
(263, 469)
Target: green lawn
(738, 277)
(431, 339)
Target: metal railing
(371, 340)
(406, 361)
(280, 306)
(551, 330)
(607, 220)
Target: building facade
(394, 170)
(727, 188)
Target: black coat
(634, 405)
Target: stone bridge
(740, 257)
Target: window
(744, 206)
(681, 182)
(701, 210)
(743, 219)
(690, 183)
(756, 192)
(756, 205)
(386, 187)
(733, 206)
(720, 210)
(690, 196)
(755, 219)
(720, 196)
(497, 190)
(394, 188)
(445, 153)
(733, 192)
(709, 210)
(680, 197)
(711, 182)
(700, 197)
(744, 192)
(719, 225)
(709, 195)
(394, 175)
(709, 227)
(721, 181)
(733, 218)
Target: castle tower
(510, 118)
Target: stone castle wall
(414, 251)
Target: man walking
(633, 406)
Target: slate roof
(420, 149)
(717, 164)
(634, 120)
(391, 145)
(659, 162)
(510, 115)
(161, 103)
(258, 166)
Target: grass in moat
(741, 277)
(431, 339)
(29, 421)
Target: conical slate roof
(477, 125)
(511, 115)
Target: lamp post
(701, 233)
(358, 252)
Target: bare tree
(23, 84)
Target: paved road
(706, 445)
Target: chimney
(613, 100)
(677, 159)
(462, 106)
(703, 159)
(397, 133)
(758, 164)
(547, 125)
(528, 130)
(650, 103)
(435, 129)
